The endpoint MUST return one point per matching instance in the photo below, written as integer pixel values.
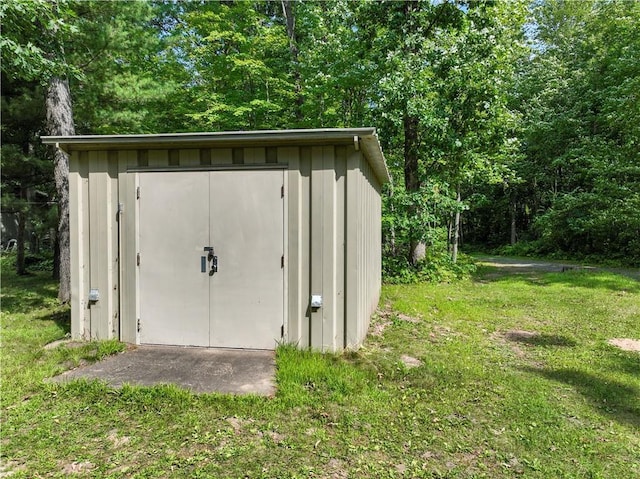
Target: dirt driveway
(525, 265)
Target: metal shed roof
(365, 138)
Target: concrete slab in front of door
(201, 370)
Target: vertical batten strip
(143, 157)
(340, 228)
(77, 230)
(205, 156)
(85, 253)
(174, 157)
(238, 156)
(293, 256)
(328, 234)
(304, 236)
(127, 257)
(352, 250)
(316, 243)
(272, 155)
(255, 156)
(100, 221)
(113, 218)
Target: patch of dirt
(408, 319)
(385, 317)
(509, 339)
(117, 440)
(410, 362)
(237, 424)
(76, 467)
(336, 469)
(275, 436)
(625, 344)
(66, 341)
(9, 468)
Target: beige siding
(297, 327)
(103, 204)
(334, 241)
(339, 240)
(78, 223)
(159, 158)
(353, 250)
(363, 248)
(190, 157)
(221, 156)
(255, 156)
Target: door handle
(214, 265)
(211, 257)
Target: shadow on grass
(617, 359)
(610, 397)
(592, 279)
(23, 294)
(62, 319)
(539, 339)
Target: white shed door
(240, 215)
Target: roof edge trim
(369, 139)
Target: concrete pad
(201, 370)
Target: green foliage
(424, 211)
(578, 174)
(436, 267)
(532, 118)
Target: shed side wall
(363, 266)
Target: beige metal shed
(230, 239)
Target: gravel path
(524, 265)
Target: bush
(436, 267)
(33, 262)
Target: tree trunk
(20, 266)
(512, 209)
(456, 230)
(290, 20)
(60, 122)
(392, 232)
(417, 248)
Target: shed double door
(189, 222)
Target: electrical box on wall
(316, 301)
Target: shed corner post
(353, 238)
(79, 244)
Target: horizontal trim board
(226, 138)
(366, 138)
(227, 167)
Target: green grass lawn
(452, 383)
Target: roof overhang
(364, 138)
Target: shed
(230, 239)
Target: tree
(443, 96)
(580, 158)
(32, 49)
(64, 43)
